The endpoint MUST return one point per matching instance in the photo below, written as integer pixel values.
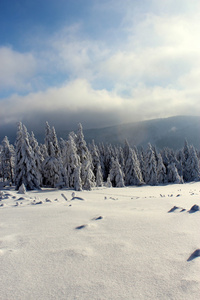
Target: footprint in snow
(90, 225)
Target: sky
(98, 62)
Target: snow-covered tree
(192, 168)
(141, 156)
(7, 157)
(77, 179)
(150, 167)
(180, 159)
(186, 168)
(120, 156)
(38, 157)
(48, 138)
(51, 169)
(72, 164)
(108, 182)
(101, 152)
(87, 175)
(116, 174)
(161, 170)
(133, 175)
(95, 157)
(26, 171)
(99, 176)
(43, 151)
(172, 174)
(89, 178)
(55, 143)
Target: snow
(116, 243)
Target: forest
(73, 164)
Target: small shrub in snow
(108, 183)
(22, 189)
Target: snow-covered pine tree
(141, 161)
(192, 166)
(26, 171)
(7, 158)
(51, 168)
(102, 156)
(172, 174)
(43, 151)
(48, 138)
(120, 156)
(116, 174)
(63, 148)
(99, 176)
(165, 156)
(150, 167)
(87, 175)
(53, 171)
(161, 170)
(133, 175)
(95, 157)
(186, 169)
(38, 157)
(108, 159)
(180, 159)
(77, 179)
(55, 143)
(108, 182)
(72, 165)
(155, 151)
(89, 178)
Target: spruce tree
(133, 175)
(38, 157)
(192, 166)
(186, 168)
(26, 171)
(161, 170)
(77, 179)
(95, 157)
(99, 176)
(150, 167)
(173, 175)
(51, 169)
(7, 157)
(87, 175)
(116, 174)
(72, 164)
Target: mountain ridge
(162, 132)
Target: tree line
(73, 164)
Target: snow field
(109, 243)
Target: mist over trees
(73, 164)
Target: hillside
(170, 132)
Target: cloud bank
(147, 67)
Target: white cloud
(154, 60)
(78, 97)
(16, 69)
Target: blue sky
(98, 62)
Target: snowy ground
(117, 243)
